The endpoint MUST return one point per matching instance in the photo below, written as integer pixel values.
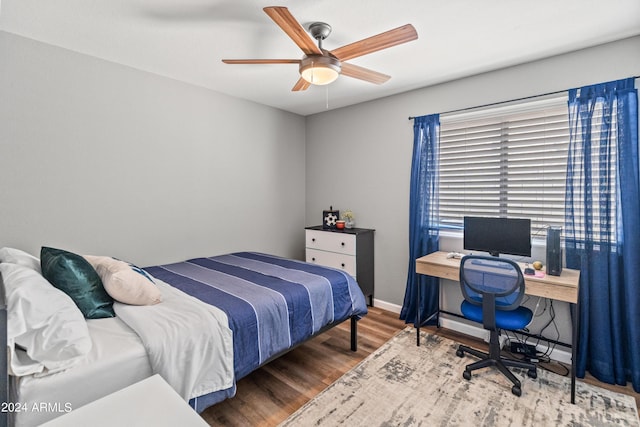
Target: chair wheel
(466, 375)
(516, 390)
(459, 353)
(532, 373)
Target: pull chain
(327, 97)
(312, 71)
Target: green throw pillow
(73, 275)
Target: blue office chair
(493, 289)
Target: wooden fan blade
(390, 38)
(294, 30)
(362, 73)
(300, 85)
(261, 61)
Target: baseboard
(394, 308)
(474, 331)
(464, 328)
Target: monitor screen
(497, 236)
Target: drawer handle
(342, 243)
(313, 239)
(313, 259)
(343, 264)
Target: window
(507, 161)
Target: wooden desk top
(561, 288)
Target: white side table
(150, 402)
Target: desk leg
(418, 315)
(574, 349)
(436, 314)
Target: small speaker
(554, 252)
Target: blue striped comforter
(272, 303)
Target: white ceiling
(186, 39)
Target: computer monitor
(497, 236)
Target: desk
(559, 288)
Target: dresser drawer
(347, 263)
(329, 241)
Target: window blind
(508, 161)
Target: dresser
(350, 249)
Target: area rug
(404, 385)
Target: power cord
(543, 358)
(538, 305)
(551, 322)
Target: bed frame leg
(354, 333)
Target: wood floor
(269, 395)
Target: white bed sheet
(189, 343)
(116, 360)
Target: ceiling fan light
(320, 70)
(319, 75)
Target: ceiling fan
(319, 66)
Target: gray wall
(360, 157)
(104, 159)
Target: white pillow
(125, 282)
(16, 256)
(43, 321)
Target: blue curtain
(423, 218)
(602, 219)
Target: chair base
(493, 358)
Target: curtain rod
(459, 110)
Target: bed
(241, 311)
